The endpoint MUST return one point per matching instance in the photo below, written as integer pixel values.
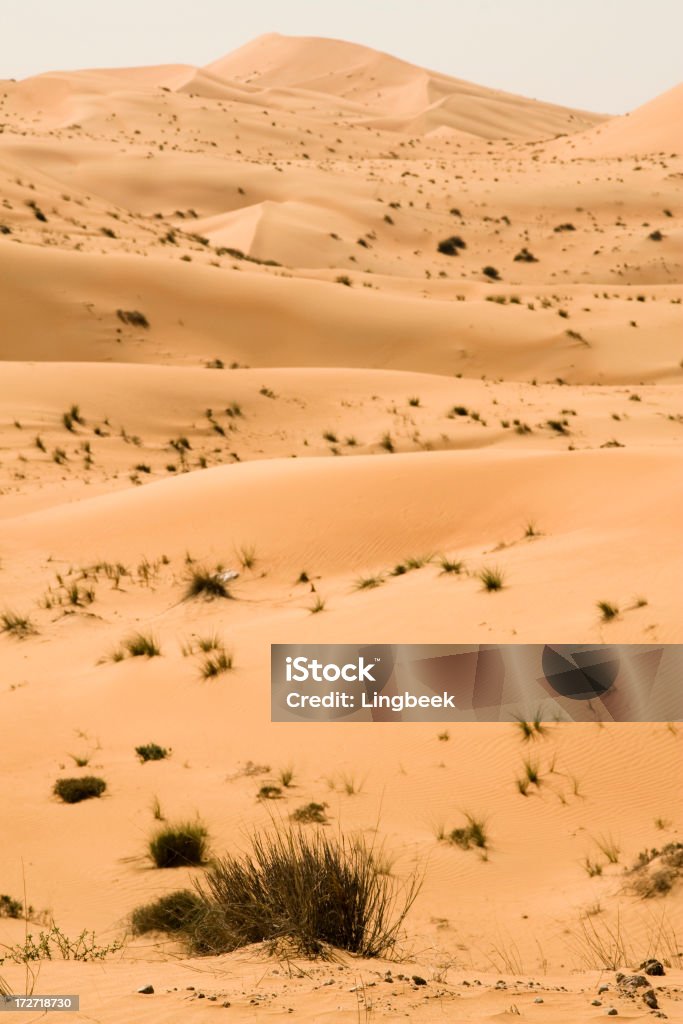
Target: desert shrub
(308, 889)
(202, 583)
(151, 752)
(140, 646)
(133, 317)
(471, 834)
(450, 246)
(175, 912)
(215, 664)
(180, 845)
(310, 814)
(491, 273)
(9, 907)
(608, 610)
(491, 578)
(19, 626)
(85, 787)
(524, 256)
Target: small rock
(603, 988)
(612, 1012)
(501, 984)
(632, 982)
(146, 990)
(655, 968)
(650, 999)
(418, 980)
(596, 1002)
(538, 999)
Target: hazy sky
(603, 55)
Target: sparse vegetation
(450, 246)
(183, 844)
(203, 583)
(151, 752)
(84, 787)
(310, 814)
(608, 610)
(472, 834)
(309, 890)
(132, 317)
(19, 626)
(491, 578)
(175, 912)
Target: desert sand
(229, 338)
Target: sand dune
(656, 127)
(326, 318)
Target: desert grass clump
(152, 752)
(368, 582)
(141, 645)
(19, 626)
(449, 565)
(609, 848)
(531, 730)
(85, 787)
(132, 317)
(608, 610)
(269, 792)
(307, 889)
(203, 583)
(310, 814)
(318, 605)
(491, 578)
(216, 664)
(471, 834)
(72, 416)
(175, 912)
(183, 844)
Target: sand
(312, 387)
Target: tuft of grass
(608, 610)
(313, 891)
(318, 605)
(202, 583)
(531, 730)
(368, 582)
(531, 530)
(491, 578)
(246, 555)
(410, 564)
(18, 626)
(85, 787)
(472, 834)
(152, 752)
(491, 273)
(532, 772)
(310, 814)
(183, 844)
(216, 664)
(448, 565)
(608, 848)
(286, 776)
(387, 443)
(173, 913)
(269, 792)
(140, 645)
(592, 868)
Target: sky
(608, 56)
